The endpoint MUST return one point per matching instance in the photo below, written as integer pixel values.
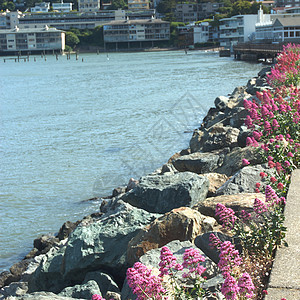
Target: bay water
(71, 130)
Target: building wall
(89, 5)
(136, 31)
(25, 40)
(192, 12)
(41, 7)
(201, 33)
(64, 7)
(138, 4)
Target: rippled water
(72, 130)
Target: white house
(201, 33)
(41, 7)
(63, 7)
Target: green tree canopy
(7, 5)
(71, 39)
(116, 4)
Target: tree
(166, 6)
(7, 5)
(71, 39)
(116, 4)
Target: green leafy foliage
(72, 39)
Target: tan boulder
(236, 202)
(183, 224)
(216, 180)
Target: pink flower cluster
(143, 284)
(168, 262)
(191, 261)
(226, 216)
(235, 285)
(229, 257)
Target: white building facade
(38, 39)
(62, 7)
(41, 7)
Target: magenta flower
(280, 186)
(245, 216)
(262, 175)
(259, 207)
(290, 154)
(245, 162)
(230, 288)
(246, 286)
(226, 216)
(271, 195)
(97, 297)
(229, 257)
(215, 242)
(191, 260)
(143, 284)
(167, 261)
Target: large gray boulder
(162, 193)
(233, 160)
(94, 245)
(244, 181)
(83, 291)
(201, 163)
(104, 281)
(214, 138)
(42, 296)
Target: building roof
(30, 30)
(136, 22)
(292, 21)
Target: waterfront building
(31, 40)
(140, 32)
(65, 21)
(62, 7)
(240, 28)
(279, 30)
(138, 4)
(41, 7)
(9, 19)
(201, 33)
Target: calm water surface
(72, 130)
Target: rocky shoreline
(174, 205)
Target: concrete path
(285, 275)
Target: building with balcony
(9, 19)
(41, 7)
(31, 40)
(192, 12)
(136, 31)
(79, 20)
(89, 5)
(240, 28)
(62, 7)
(138, 4)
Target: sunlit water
(72, 129)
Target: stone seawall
(174, 205)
